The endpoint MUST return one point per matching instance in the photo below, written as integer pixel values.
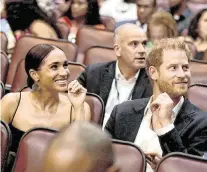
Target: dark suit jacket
(98, 79)
(188, 136)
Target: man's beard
(172, 91)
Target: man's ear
(153, 73)
(113, 168)
(34, 75)
(117, 50)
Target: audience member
(47, 6)
(100, 2)
(161, 25)
(180, 13)
(145, 8)
(167, 122)
(120, 10)
(63, 6)
(25, 17)
(124, 79)
(189, 41)
(5, 27)
(198, 30)
(81, 147)
(82, 12)
(47, 70)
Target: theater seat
(88, 37)
(31, 150)
(20, 79)
(30, 156)
(180, 162)
(4, 66)
(2, 90)
(96, 106)
(75, 70)
(108, 22)
(6, 140)
(128, 157)
(98, 55)
(198, 71)
(25, 43)
(197, 94)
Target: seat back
(128, 157)
(20, 79)
(2, 90)
(98, 55)
(180, 162)
(108, 22)
(32, 149)
(25, 43)
(96, 106)
(75, 70)
(4, 66)
(88, 37)
(6, 140)
(4, 42)
(198, 71)
(197, 94)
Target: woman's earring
(35, 87)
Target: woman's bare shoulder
(14, 97)
(8, 106)
(11, 98)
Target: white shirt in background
(119, 10)
(146, 138)
(125, 89)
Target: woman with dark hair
(198, 30)
(44, 106)
(25, 17)
(82, 12)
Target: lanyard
(118, 94)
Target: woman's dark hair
(193, 27)
(21, 14)
(34, 58)
(92, 16)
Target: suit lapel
(184, 117)
(140, 85)
(106, 81)
(133, 122)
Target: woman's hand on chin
(76, 94)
